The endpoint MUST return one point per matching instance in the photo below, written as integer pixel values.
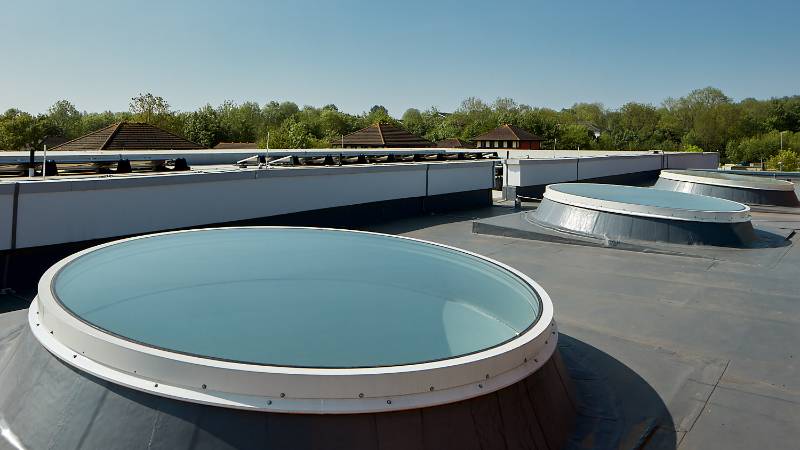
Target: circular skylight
(648, 202)
(648, 197)
(717, 178)
(294, 319)
(297, 297)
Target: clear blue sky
(401, 54)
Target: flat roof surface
(693, 351)
(647, 197)
(297, 297)
(699, 350)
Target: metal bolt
(431, 388)
(204, 386)
(388, 402)
(74, 356)
(156, 385)
(269, 402)
(283, 395)
(480, 386)
(361, 395)
(487, 376)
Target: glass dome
(297, 297)
(648, 197)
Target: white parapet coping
(215, 156)
(547, 169)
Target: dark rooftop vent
(181, 164)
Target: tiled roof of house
(508, 133)
(236, 145)
(129, 136)
(382, 135)
(454, 143)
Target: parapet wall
(530, 176)
(63, 210)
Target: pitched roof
(236, 145)
(129, 136)
(382, 135)
(454, 143)
(53, 141)
(508, 133)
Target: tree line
(706, 119)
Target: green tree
(275, 113)
(20, 130)
(95, 121)
(587, 113)
(65, 119)
(239, 123)
(692, 149)
(786, 161)
(203, 126)
(149, 108)
(573, 137)
(378, 114)
(714, 126)
(335, 124)
(761, 147)
(639, 122)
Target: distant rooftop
(382, 135)
(235, 145)
(54, 141)
(454, 143)
(129, 136)
(508, 133)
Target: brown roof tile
(129, 136)
(236, 145)
(454, 143)
(382, 136)
(508, 133)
